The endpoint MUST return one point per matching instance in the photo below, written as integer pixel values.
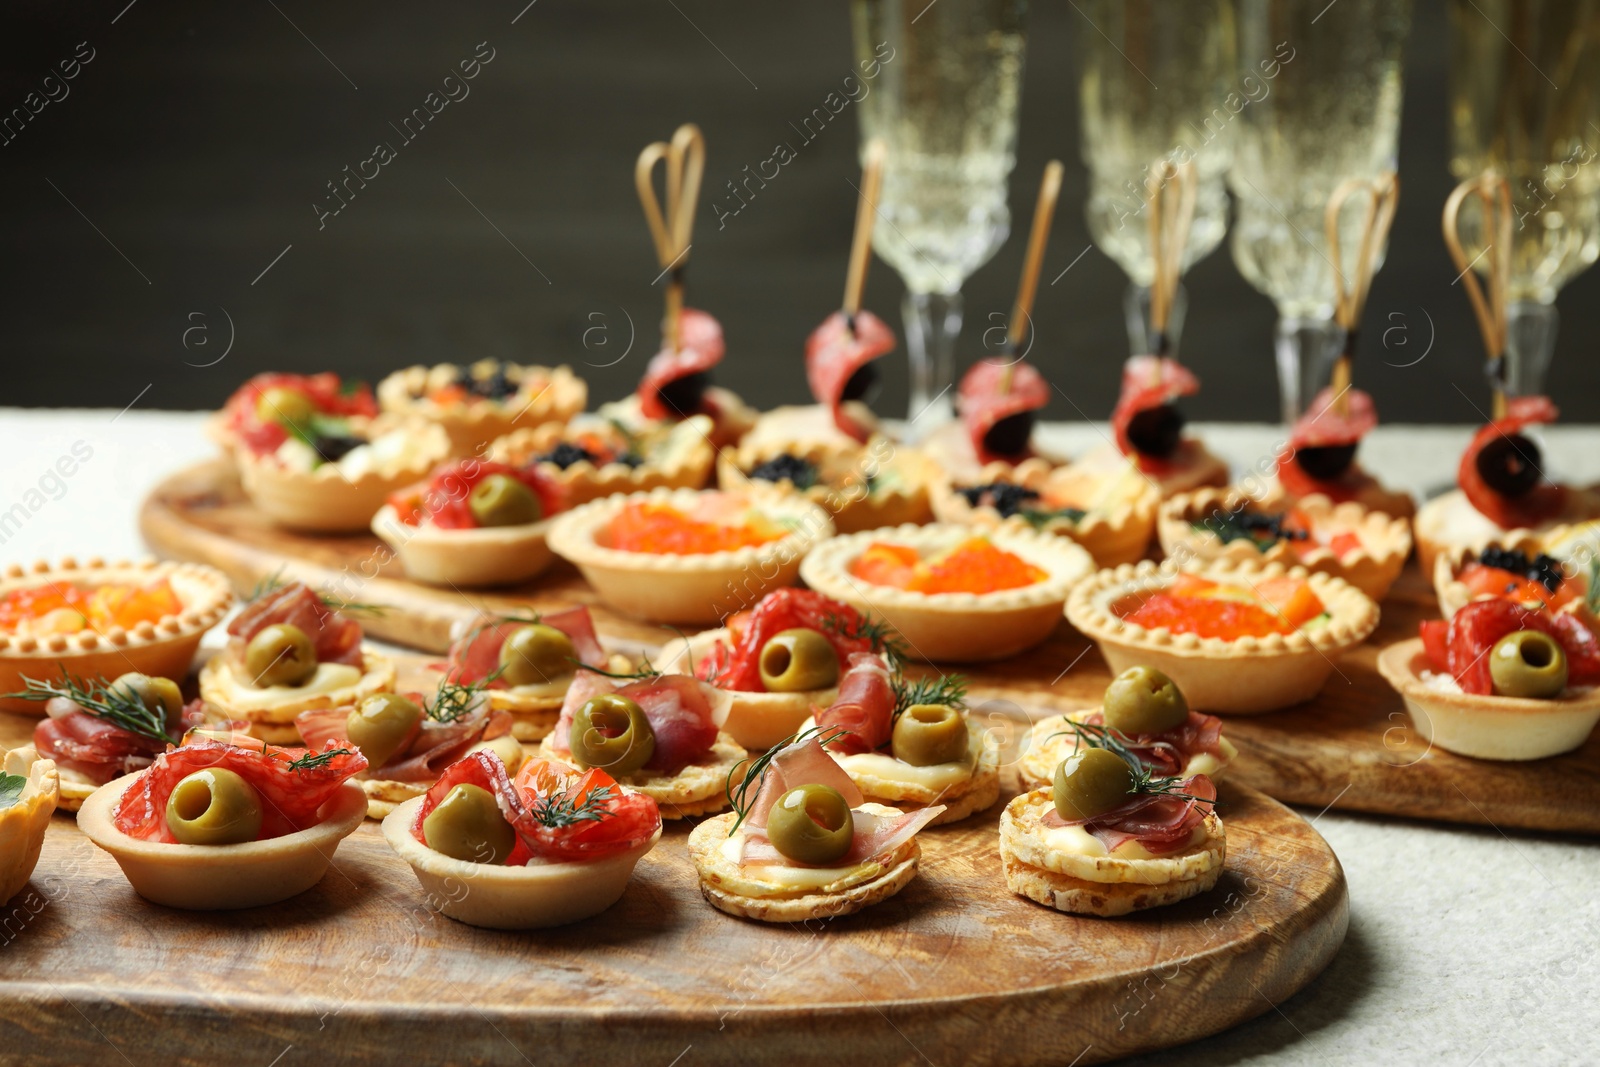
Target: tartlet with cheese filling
(482, 401)
(591, 457)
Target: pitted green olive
(156, 694)
(214, 807)
(612, 733)
(811, 824)
(468, 825)
(282, 405)
(1091, 783)
(798, 660)
(281, 654)
(535, 655)
(1528, 663)
(1142, 700)
(381, 726)
(501, 500)
(926, 734)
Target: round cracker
(1078, 896)
(1020, 834)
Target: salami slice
(675, 383)
(1144, 421)
(835, 354)
(998, 414)
(1500, 452)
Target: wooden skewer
(861, 242)
(1494, 194)
(1382, 195)
(1171, 213)
(1043, 214)
(671, 228)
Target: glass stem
(1306, 351)
(932, 321)
(1530, 342)
(1141, 334)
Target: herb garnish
(313, 761)
(741, 796)
(453, 700)
(645, 671)
(876, 632)
(275, 581)
(11, 787)
(557, 811)
(120, 707)
(1145, 781)
(1240, 524)
(950, 689)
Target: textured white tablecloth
(1466, 946)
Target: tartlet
(1245, 675)
(862, 486)
(485, 400)
(688, 588)
(24, 818)
(960, 626)
(1366, 548)
(591, 457)
(1555, 569)
(164, 646)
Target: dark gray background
(201, 134)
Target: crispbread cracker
(1108, 899)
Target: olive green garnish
(611, 732)
(158, 695)
(926, 734)
(501, 500)
(1528, 663)
(281, 654)
(214, 806)
(798, 660)
(279, 404)
(468, 825)
(811, 824)
(1090, 783)
(380, 725)
(1142, 700)
(535, 655)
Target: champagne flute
(1333, 114)
(944, 103)
(1525, 103)
(1155, 78)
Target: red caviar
(976, 565)
(61, 607)
(1199, 606)
(661, 529)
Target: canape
(1148, 429)
(526, 663)
(999, 401)
(910, 744)
(551, 847)
(1321, 457)
(862, 486)
(1238, 638)
(1111, 511)
(1366, 548)
(685, 556)
(487, 399)
(949, 593)
(290, 651)
(591, 457)
(98, 619)
(658, 733)
(26, 803)
(1554, 571)
(777, 661)
(677, 386)
(1145, 719)
(1500, 680)
(803, 843)
(266, 410)
(212, 826)
(472, 523)
(1106, 838)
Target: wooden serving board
(1352, 748)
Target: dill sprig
(11, 787)
(275, 581)
(104, 700)
(948, 689)
(312, 761)
(1145, 781)
(878, 633)
(743, 795)
(557, 811)
(645, 671)
(453, 700)
(1039, 518)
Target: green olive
(1142, 700)
(811, 824)
(1528, 663)
(156, 694)
(214, 807)
(281, 654)
(535, 655)
(468, 825)
(282, 405)
(798, 660)
(1091, 783)
(501, 500)
(611, 732)
(926, 734)
(380, 725)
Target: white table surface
(1466, 946)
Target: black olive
(1510, 464)
(334, 447)
(1327, 461)
(786, 467)
(565, 455)
(1007, 498)
(629, 459)
(1546, 570)
(1156, 431)
(863, 384)
(496, 385)
(1010, 436)
(686, 396)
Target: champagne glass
(1155, 78)
(944, 103)
(1525, 102)
(1333, 113)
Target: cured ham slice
(290, 796)
(796, 764)
(1461, 646)
(1501, 443)
(1148, 384)
(865, 707)
(674, 384)
(835, 353)
(1161, 823)
(337, 639)
(738, 667)
(1169, 752)
(327, 393)
(477, 654)
(987, 399)
(433, 745)
(684, 715)
(874, 835)
(81, 741)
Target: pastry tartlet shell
(1433, 530)
(486, 556)
(1448, 562)
(23, 826)
(852, 508)
(71, 789)
(470, 426)
(583, 481)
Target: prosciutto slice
(1162, 824)
(433, 745)
(684, 714)
(1533, 508)
(865, 707)
(739, 667)
(1148, 382)
(80, 741)
(986, 399)
(477, 655)
(337, 639)
(1169, 752)
(1324, 426)
(700, 348)
(834, 353)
